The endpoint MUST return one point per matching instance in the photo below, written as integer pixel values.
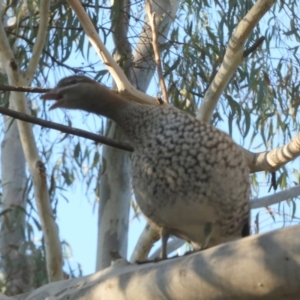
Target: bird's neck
(111, 105)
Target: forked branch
(124, 86)
(233, 57)
(151, 16)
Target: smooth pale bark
(146, 240)
(114, 204)
(287, 194)
(34, 163)
(14, 199)
(14, 261)
(115, 183)
(38, 173)
(265, 267)
(274, 159)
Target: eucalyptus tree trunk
(115, 186)
(14, 262)
(12, 238)
(35, 166)
(115, 194)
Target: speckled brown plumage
(190, 179)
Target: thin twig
(66, 129)
(29, 89)
(255, 45)
(151, 16)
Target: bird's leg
(207, 230)
(246, 230)
(164, 240)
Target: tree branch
(39, 41)
(274, 159)
(146, 240)
(124, 86)
(10, 88)
(255, 45)
(264, 267)
(66, 129)
(151, 16)
(233, 57)
(276, 198)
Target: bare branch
(124, 86)
(66, 129)
(151, 16)
(262, 267)
(274, 159)
(39, 41)
(255, 45)
(146, 240)
(276, 198)
(233, 58)
(4, 87)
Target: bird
(190, 179)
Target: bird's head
(77, 92)
(81, 92)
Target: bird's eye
(73, 81)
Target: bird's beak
(53, 95)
